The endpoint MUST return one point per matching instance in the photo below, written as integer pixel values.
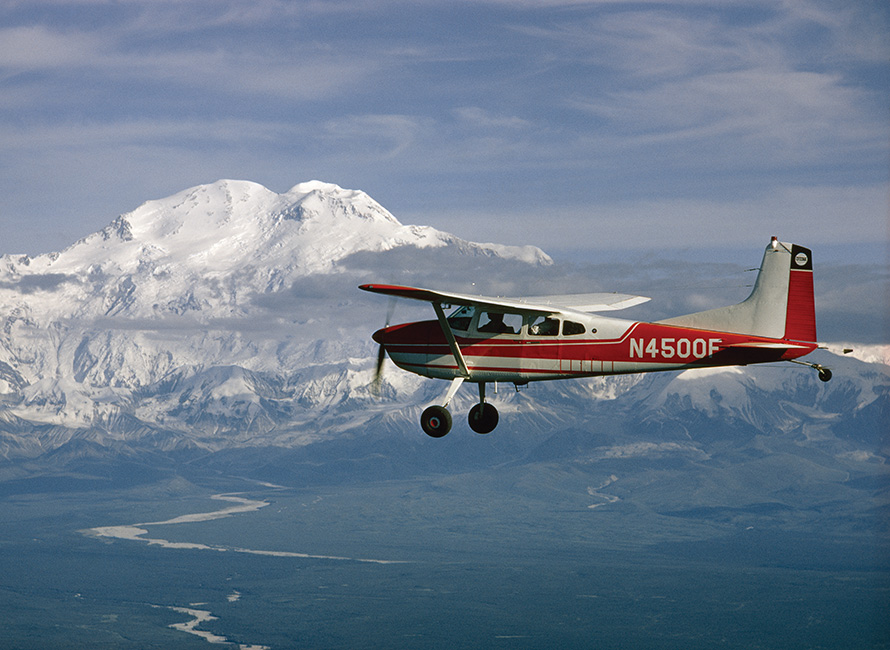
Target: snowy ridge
(207, 248)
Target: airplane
(520, 340)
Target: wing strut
(452, 390)
(452, 342)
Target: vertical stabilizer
(781, 305)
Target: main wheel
(435, 421)
(483, 418)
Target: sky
(568, 125)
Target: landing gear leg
(483, 416)
(824, 373)
(436, 420)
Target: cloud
(479, 117)
(458, 115)
(38, 47)
(683, 77)
(305, 75)
(773, 117)
(38, 282)
(154, 132)
(814, 215)
(113, 59)
(385, 136)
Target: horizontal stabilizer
(764, 346)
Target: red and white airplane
(519, 340)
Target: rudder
(800, 318)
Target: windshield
(460, 318)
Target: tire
(825, 374)
(435, 421)
(483, 418)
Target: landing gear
(824, 373)
(435, 421)
(483, 418)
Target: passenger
(544, 327)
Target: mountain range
(225, 318)
(214, 343)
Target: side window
(460, 319)
(543, 326)
(570, 328)
(498, 323)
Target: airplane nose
(406, 333)
(379, 336)
(385, 334)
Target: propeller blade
(381, 353)
(381, 357)
(378, 371)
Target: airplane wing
(587, 302)
(582, 302)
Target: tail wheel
(483, 418)
(435, 421)
(824, 374)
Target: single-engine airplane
(518, 340)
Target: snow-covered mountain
(227, 316)
(206, 250)
(211, 282)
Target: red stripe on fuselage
(422, 345)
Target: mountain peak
(207, 248)
(315, 186)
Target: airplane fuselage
(603, 346)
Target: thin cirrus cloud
(38, 47)
(310, 76)
(456, 115)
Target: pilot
(496, 325)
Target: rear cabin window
(543, 326)
(570, 328)
(498, 323)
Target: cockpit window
(570, 328)
(460, 319)
(543, 326)
(498, 323)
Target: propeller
(381, 352)
(378, 372)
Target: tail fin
(781, 306)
